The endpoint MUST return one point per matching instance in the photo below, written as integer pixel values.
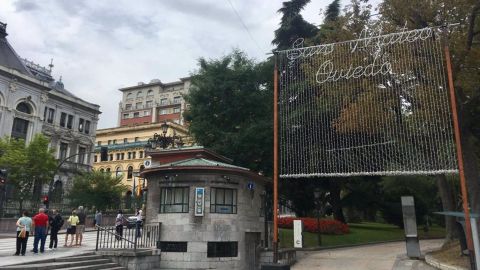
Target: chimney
(3, 30)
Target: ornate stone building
(32, 102)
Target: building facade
(153, 102)
(32, 102)
(126, 150)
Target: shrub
(327, 226)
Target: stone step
(94, 267)
(57, 265)
(115, 268)
(79, 258)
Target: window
(95, 158)
(177, 100)
(63, 151)
(102, 170)
(20, 128)
(108, 170)
(87, 127)
(80, 124)
(134, 155)
(136, 139)
(63, 119)
(129, 96)
(174, 200)
(146, 113)
(81, 155)
(122, 156)
(49, 115)
(128, 107)
(136, 114)
(222, 249)
(176, 110)
(99, 143)
(140, 154)
(114, 141)
(163, 111)
(150, 93)
(129, 172)
(173, 246)
(149, 103)
(109, 142)
(118, 172)
(139, 94)
(163, 101)
(129, 155)
(110, 157)
(138, 105)
(70, 121)
(126, 115)
(223, 201)
(23, 107)
(118, 156)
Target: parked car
(132, 222)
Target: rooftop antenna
(51, 65)
(60, 80)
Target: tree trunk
(335, 201)
(470, 160)
(448, 203)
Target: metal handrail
(146, 236)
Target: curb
(437, 264)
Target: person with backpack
(56, 223)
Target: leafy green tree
(332, 12)
(231, 109)
(292, 25)
(28, 167)
(97, 189)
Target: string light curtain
(373, 106)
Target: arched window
(139, 94)
(102, 170)
(118, 172)
(130, 172)
(24, 107)
(150, 93)
(129, 95)
(108, 169)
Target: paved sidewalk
(370, 257)
(7, 249)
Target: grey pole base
(273, 266)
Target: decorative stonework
(44, 97)
(13, 85)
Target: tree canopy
(28, 166)
(97, 189)
(231, 109)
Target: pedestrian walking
(24, 225)
(71, 228)
(98, 218)
(138, 224)
(40, 223)
(80, 227)
(119, 225)
(56, 223)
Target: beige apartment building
(126, 150)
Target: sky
(100, 46)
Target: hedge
(327, 226)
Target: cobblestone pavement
(371, 257)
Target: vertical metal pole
(275, 162)
(98, 237)
(458, 143)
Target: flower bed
(327, 226)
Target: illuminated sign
(199, 201)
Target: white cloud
(100, 46)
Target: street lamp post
(163, 141)
(316, 194)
